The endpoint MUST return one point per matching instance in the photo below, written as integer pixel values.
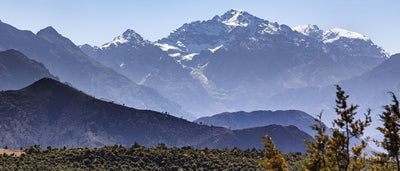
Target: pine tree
(318, 147)
(391, 122)
(273, 158)
(380, 162)
(346, 128)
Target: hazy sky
(98, 21)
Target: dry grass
(9, 152)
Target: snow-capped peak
(129, 36)
(330, 35)
(307, 29)
(337, 33)
(236, 18)
(233, 20)
(197, 36)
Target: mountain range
(237, 61)
(49, 112)
(66, 61)
(231, 62)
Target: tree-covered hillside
(138, 157)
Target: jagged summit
(128, 37)
(131, 35)
(193, 37)
(237, 18)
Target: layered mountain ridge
(17, 70)
(243, 120)
(49, 112)
(66, 61)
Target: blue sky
(99, 21)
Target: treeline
(138, 157)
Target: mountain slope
(70, 64)
(18, 71)
(145, 63)
(286, 138)
(241, 120)
(51, 113)
(380, 79)
(369, 90)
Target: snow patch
(337, 33)
(269, 29)
(306, 29)
(197, 73)
(189, 57)
(118, 40)
(215, 49)
(166, 47)
(121, 65)
(180, 44)
(196, 48)
(129, 36)
(175, 54)
(144, 79)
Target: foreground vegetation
(138, 157)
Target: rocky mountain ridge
(237, 61)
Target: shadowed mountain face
(18, 71)
(65, 60)
(244, 122)
(241, 120)
(51, 113)
(286, 138)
